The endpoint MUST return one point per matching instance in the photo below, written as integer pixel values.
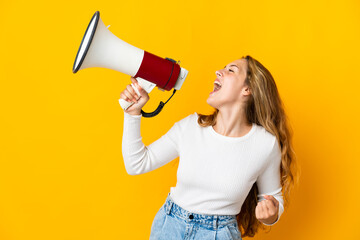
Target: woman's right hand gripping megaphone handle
(134, 96)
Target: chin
(211, 103)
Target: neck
(232, 122)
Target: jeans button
(191, 216)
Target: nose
(218, 73)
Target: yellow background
(62, 174)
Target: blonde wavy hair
(264, 108)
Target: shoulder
(185, 124)
(189, 119)
(266, 138)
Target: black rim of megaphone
(97, 15)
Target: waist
(206, 220)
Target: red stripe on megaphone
(164, 73)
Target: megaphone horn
(100, 48)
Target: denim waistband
(207, 221)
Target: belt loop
(215, 222)
(169, 205)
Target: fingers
(263, 214)
(272, 200)
(134, 93)
(123, 96)
(133, 80)
(272, 205)
(266, 208)
(261, 211)
(129, 94)
(258, 210)
(136, 83)
(139, 88)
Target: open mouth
(217, 86)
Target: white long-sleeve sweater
(215, 172)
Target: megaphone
(101, 48)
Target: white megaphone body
(101, 48)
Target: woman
(234, 164)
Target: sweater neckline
(220, 136)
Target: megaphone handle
(146, 85)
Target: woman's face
(229, 86)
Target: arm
(139, 158)
(268, 183)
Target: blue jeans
(172, 222)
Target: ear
(247, 91)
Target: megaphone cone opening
(86, 41)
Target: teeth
(217, 83)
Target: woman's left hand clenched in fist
(266, 211)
